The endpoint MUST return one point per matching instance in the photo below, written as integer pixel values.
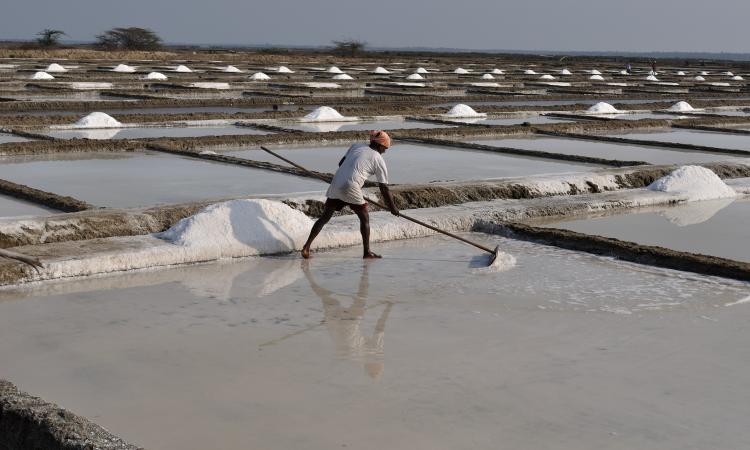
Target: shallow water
(12, 207)
(515, 120)
(715, 227)
(324, 127)
(409, 163)
(608, 150)
(153, 132)
(641, 116)
(412, 351)
(6, 138)
(720, 140)
(146, 178)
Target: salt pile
(737, 78)
(529, 72)
(694, 182)
(487, 76)
(595, 72)
(259, 76)
(155, 76)
(704, 73)
(381, 70)
(334, 69)
(624, 72)
(462, 110)
(207, 152)
(651, 78)
(54, 67)
(42, 76)
(681, 107)
(566, 72)
(596, 77)
(324, 114)
(123, 68)
(729, 74)
(421, 70)
(546, 77)
(497, 72)
(209, 85)
(461, 71)
(602, 108)
(415, 76)
(242, 228)
(183, 69)
(699, 78)
(231, 69)
(680, 73)
(284, 69)
(342, 76)
(98, 120)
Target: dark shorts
(338, 205)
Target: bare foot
(371, 255)
(305, 253)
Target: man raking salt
(360, 162)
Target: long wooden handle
(380, 205)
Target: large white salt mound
(98, 120)
(231, 69)
(651, 78)
(284, 69)
(42, 76)
(681, 107)
(421, 70)
(342, 76)
(183, 69)
(334, 69)
(323, 114)
(498, 72)
(694, 182)
(54, 67)
(241, 228)
(259, 76)
(546, 77)
(381, 70)
(529, 72)
(488, 76)
(461, 71)
(462, 110)
(123, 68)
(566, 72)
(602, 108)
(596, 77)
(415, 76)
(699, 78)
(155, 76)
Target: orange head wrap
(380, 137)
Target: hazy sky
(625, 25)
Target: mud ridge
(48, 199)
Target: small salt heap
(529, 72)
(699, 78)
(42, 76)
(729, 74)
(624, 72)
(681, 107)
(259, 76)
(421, 70)
(546, 77)
(155, 76)
(566, 72)
(324, 114)
(183, 69)
(595, 72)
(123, 68)
(737, 78)
(231, 69)
(98, 120)
(381, 71)
(498, 72)
(415, 76)
(651, 78)
(461, 71)
(284, 69)
(596, 77)
(487, 76)
(334, 69)
(704, 73)
(54, 67)
(694, 182)
(680, 73)
(342, 76)
(602, 108)
(462, 110)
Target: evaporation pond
(641, 116)
(513, 120)
(413, 351)
(12, 207)
(321, 127)
(706, 138)
(6, 138)
(608, 150)
(152, 132)
(715, 227)
(146, 178)
(409, 163)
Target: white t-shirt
(360, 163)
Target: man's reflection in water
(344, 323)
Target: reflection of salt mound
(415, 76)
(461, 71)
(462, 110)
(696, 212)
(209, 85)
(596, 77)
(421, 70)
(183, 69)
(284, 69)
(566, 72)
(334, 69)
(529, 72)
(324, 114)
(488, 76)
(322, 127)
(651, 78)
(99, 134)
(123, 68)
(343, 76)
(497, 72)
(381, 70)
(695, 182)
(699, 78)
(681, 107)
(231, 69)
(155, 76)
(281, 277)
(54, 67)
(242, 228)
(602, 108)
(259, 76)
(546, 77)
(42, 76)
(98, 120)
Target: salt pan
(462, 110)
(98, 120)
(123, 68)
(42, 76)
(602, 108)
(694, 182)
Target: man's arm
(386, 194)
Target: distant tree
(132, 38)
(350, 47)
(49, 38)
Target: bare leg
(319, 224)
(364, 229)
